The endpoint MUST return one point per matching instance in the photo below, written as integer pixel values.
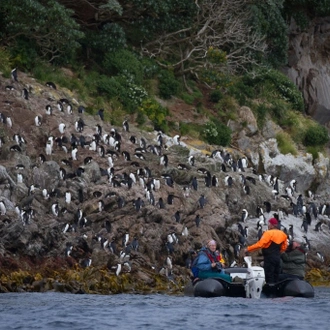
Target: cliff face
(308, 66)
(127, 210)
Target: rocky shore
(89, 207)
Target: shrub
(316, 135)
(156, 113)
(215, 96)
(260, 111)
(285, 144)
(276, 84)
(217, 133)
(109, 86)
(124, 63)
(5, 65)
(168, 85)
(279, 110)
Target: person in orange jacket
(273, 242)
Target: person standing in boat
(293, 262)
(209, 262)
(273, 242)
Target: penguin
(49, 110)
(15, 148)
(170, 198)
(69, 109)
(101, 114)
(164, 160)
(37, 121)
(228, 181)
(67, 197)
(74, 152)
(101, 205)
(135, 244)
(125, 126)
(14, 75)
(176, 139)
(197, 220)
(246, 189)
(88, 160)
(194, 183)
(202, 201)
(9, 122)
(3, 209)
(177, 216)
(68, 249)
(244, 215)
(112, 246)
(125, 239)
(61, 128)
(50, 85)
(160, 204)
(268, 206)
(55, 209)
(19, 178)
(191, 160)
(126, 155)
(183, 167)
(81, 109)
(143, 143)
(60, 106)
(25, 94)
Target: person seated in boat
(209, 263)
(293, 261)
(273, 243)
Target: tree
(220, 32)
(46, 24)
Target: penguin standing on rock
(14, 75)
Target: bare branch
(221, 25)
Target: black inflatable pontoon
(217, 287)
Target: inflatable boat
(248, 282)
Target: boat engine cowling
(255, 279)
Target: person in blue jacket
(209, 263)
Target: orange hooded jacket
(272, 235)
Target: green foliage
(5, 65)
(215, 78)
(316, 135)
(153, 17)
(217, 133)
(260, 111)
(216, 96)
(124, 89)
(279, 110)
(272, 82)
(192, 129)
(156, 113)
(110, 38)
(241, 91)
(305, 10)
(285, 144)
(168, 85)
(267, 19)
(314, 151)
(123, 62)
(46, 24)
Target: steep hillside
(70, 217)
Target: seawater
(127, 311)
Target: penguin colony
(117, 161)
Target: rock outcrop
(308, 66)
(113, 216)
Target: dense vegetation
(126, 52)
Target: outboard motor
(255, 279)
